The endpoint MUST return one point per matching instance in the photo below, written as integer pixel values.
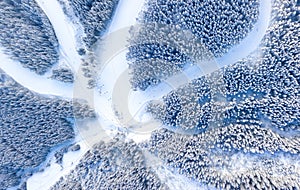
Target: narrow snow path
(126, 14)
(113, 57)
(64, 30)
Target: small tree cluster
(63, 74)
(90, 67)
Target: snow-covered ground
(126, 14)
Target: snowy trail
(113, 58)
(64, 30)
(126, 14)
